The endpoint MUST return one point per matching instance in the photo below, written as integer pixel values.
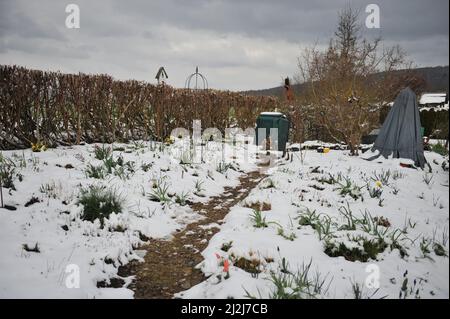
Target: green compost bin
(272, 120)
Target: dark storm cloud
(240, 44)
(292, 20)
(14, 21)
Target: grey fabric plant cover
(400, 134)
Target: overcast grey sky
(238, 45)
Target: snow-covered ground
(308, 210)
(55, 179)
(299, 252)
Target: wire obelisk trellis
(196, 81)
(199, 80)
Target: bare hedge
(63, 109)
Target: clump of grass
(181, 199)
(7, 173)
(118, 167)
(222, 167)
(397, 175)
(259, 221)
(98, 203)
(97, 172)
(160, 192)
(425, 247)
(357, 290)
(324, 227)
(308, 218)
(109, 164)
(349, 188)
(125, 171)
(384, 176)
(7, 176)
(364, 249)
(409, 223)
(439, 244)
(20, 160)
(198, 186)
(299, 284)
(330, 179)
(395, 238)
(375, 191)
(359, 293)
(351, 221)
(102, 152)
(35, 163)
(407, 290)
(322, 224)
(443, 241)
(376, 226)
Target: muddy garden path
(169, 265)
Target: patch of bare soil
(169, 264)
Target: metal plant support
(198, 79)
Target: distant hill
(436, 78)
